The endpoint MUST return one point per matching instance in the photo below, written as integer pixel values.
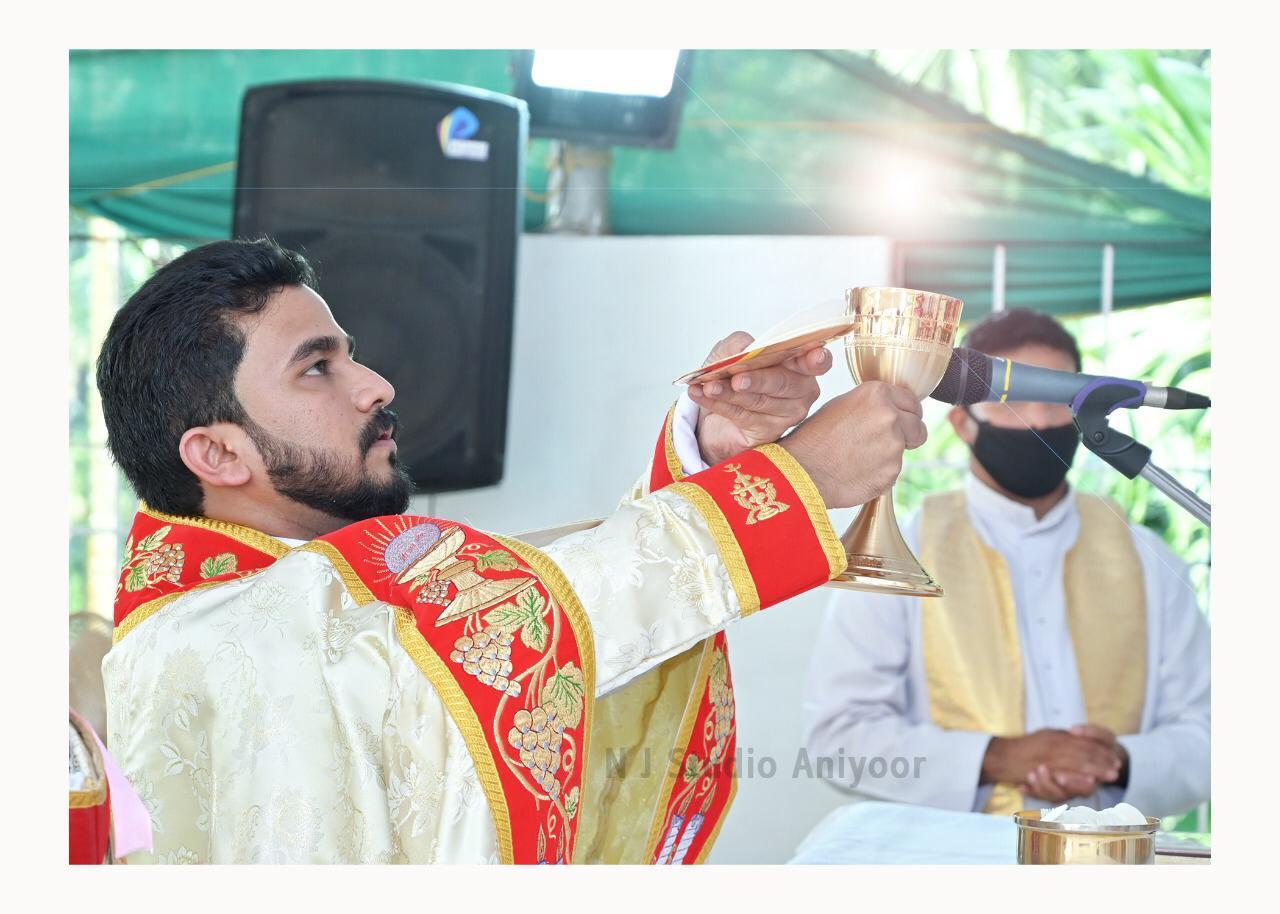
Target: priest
(302, 673)
(1067, 660)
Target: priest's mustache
(384, 420)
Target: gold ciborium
(1053, 842)
(903, 337)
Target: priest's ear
(962, 422)
(216, 454)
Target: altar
(876, 833)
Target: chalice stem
(879, 558)
(874, 530)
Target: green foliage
(104, 269)
(497, 559)
(78, 558)
(154, 540)
(1143, 111)
(534, 632)
(1165, 344)
(136, 579)
(1146, 112)
(218, 564)
(524, 615)
(692, 769)
(565, 692)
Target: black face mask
(1025, 462)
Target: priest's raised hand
(852, 447)
(754, 407)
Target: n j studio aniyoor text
(849, 769)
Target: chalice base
(879, 559)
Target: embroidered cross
(755, 493)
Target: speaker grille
(415, 251)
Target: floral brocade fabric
(273, 718)
(410, 690)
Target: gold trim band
(243, 535)
(86, 799)
(669, 442)
(355, 586)
(683, 735)
(554, 579)
(744, 585)
(145, 611)
(459, 708)
(837, 559)
(456, 703)
(246, 536)
(715, 829)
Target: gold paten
(902, 337)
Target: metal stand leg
(1200, 509)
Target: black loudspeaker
(407, 198)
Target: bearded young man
(301, 673)
(1067, 659)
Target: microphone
(973, 377)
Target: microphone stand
(1090, 409)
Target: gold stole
(972, 652)
(634, 737)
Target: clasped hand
(1056, 765)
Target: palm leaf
(1198, 362)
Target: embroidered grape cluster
(435, 592)
(165, 564)
(486, 655)
(721, 695)
(538, 734)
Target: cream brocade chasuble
(276, 719)
(259, 679)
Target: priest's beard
(318, 479)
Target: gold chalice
(474, 592)
(903, 337)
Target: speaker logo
(456, 130)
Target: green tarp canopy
(770, 142)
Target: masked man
(302, 673)
(1067, 659)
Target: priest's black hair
(169, 361)
(1004, 331)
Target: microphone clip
(1090, 410)
(1132, 458)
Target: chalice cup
(902, 337)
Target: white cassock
(866, 694)
(291, 733)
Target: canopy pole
(1108, 293)
(997, 279)
(899, 268)
(578, 189)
